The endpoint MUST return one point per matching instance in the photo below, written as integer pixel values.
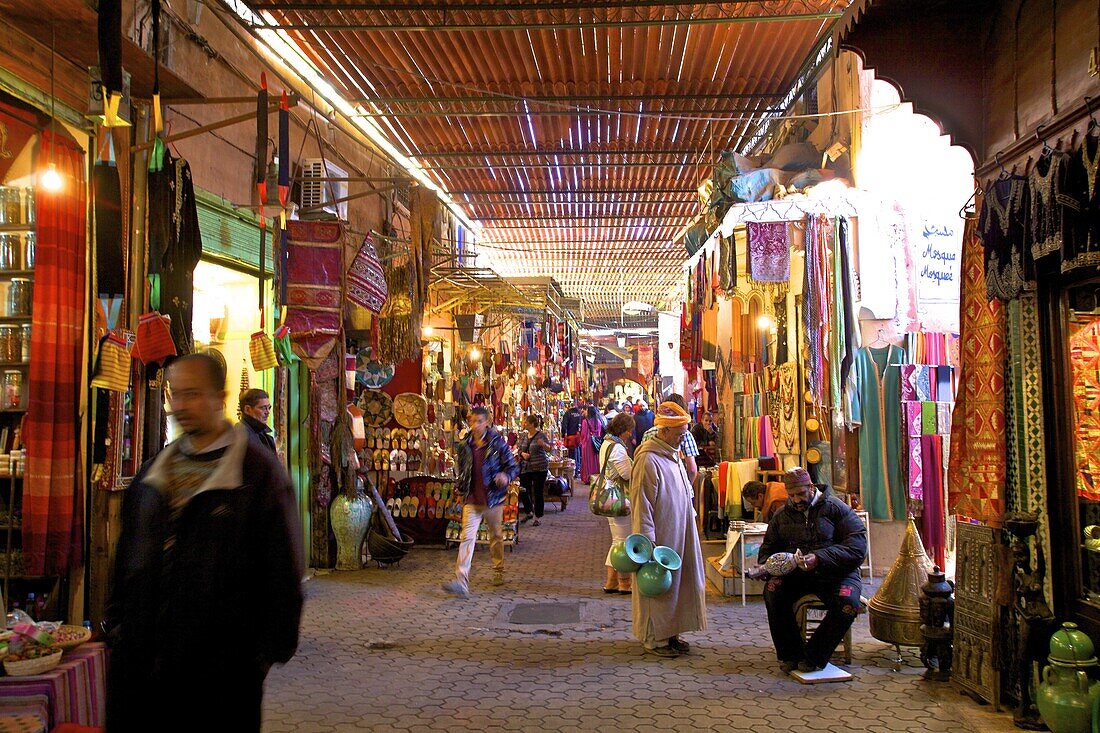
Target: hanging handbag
(112, 367)
(154, 338)
(262, 349)
(608, 496)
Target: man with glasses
(255, 407)
(206, 593)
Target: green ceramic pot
(667, 557)
(653, 580)
(1068, 644)
(621, 560)
(639, 548)
(1065, 700)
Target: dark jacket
(537, 446)
(259, 431)
(498, 459)
(830, 530)
(643, 421)
(200, 608)
(571, 422)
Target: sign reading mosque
(938, 251)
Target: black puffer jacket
(830, 530)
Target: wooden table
(75, 691)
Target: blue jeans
(577, 460)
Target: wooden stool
(807, 625)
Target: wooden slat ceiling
(575, 132)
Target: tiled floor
(386, 650)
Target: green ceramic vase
(1069, 644)
(1066, 698)
(621, 561)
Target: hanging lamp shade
(894, 611)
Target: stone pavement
(387, 650)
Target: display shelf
(16, 273)
(14, 364)
(13, 409)
(5, 228)
(15, 319)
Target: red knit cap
(796, 477)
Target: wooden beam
(272, 107)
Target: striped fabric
(53, 509)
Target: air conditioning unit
(322, 193)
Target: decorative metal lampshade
(894, 611)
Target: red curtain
(53, 508)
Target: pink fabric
(913, 420)
(769, 251)
(314, 279)
(767, 436)
(75, 689)
(366, 280)
(916, 469)
(590, 460)
(933, 529)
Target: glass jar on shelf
(28, 205)
(25, 351)
(30, 247)
(8, 342)
(11, 208)
(20, 296)
(13, 389)
(9, 251)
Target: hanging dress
(876, 406)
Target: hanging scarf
(769, 251)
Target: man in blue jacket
(485, 467)
(829, 541)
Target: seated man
(765, 498)
(829, 542)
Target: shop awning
(931, 50)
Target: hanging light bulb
(474, 353)
(531, 371)
(51, 179)
(427, 331)
(765, 322)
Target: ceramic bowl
(667, 557)
(621, 560)
(639, 548)
(652, 579)
(1092, 537)
(781, 563)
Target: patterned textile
(646, 364)
(916, 382)
(913, 418)
(75, 690)
(1084, 352)
(928, 418)
(976, 478)
(314, 273)
(53, 511)
(815, 296)
(769, 251)
(366, 280)
(943, 417)
(916, 470)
